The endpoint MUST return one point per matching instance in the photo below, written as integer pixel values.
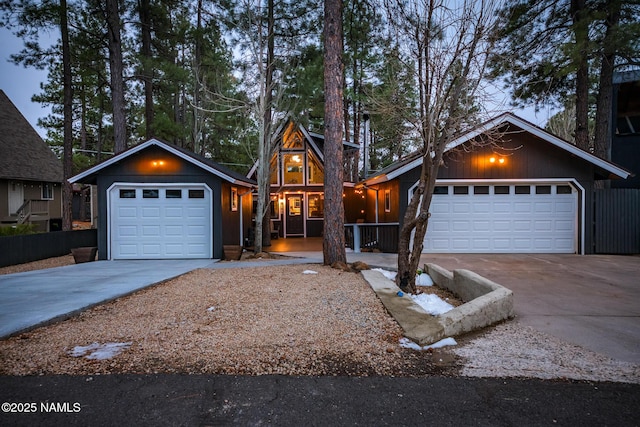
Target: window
(460, 189)
(480, 189)
(150, 193)
(501, 189)
(543, 189)
(293, 168)
(523, 189)
(387, 200)
(316, 205)
(441, 189)
(47, 191)
(563, 189)
(173, 194)
(274, 170)
(127, 194)
(196, 194)
(316, 173)
(234, 199)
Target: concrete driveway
(591, 300)
(37, 297)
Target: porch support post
(356, 238)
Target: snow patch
(407, 343)
(97, 351)
(309, 272)
(432, 304)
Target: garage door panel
(461, 208)
(151, 230)
(174, 230)
(150, 213)
(127, 231)
(164, 226)
(543, 225)
(530, 222)
(127, 212)
(174, 212)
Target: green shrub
(17, 230)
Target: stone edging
(487, 303)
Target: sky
(20, 84)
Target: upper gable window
(316, 172)
(292, 139)
(293, 168)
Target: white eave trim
(509, 118)
(167, 147)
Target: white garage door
(160, 221)
(521, 218)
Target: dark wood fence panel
(33, 247)
(617, 217)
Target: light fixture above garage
(499, 160)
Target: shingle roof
(415, 159)
(23, 153)
(89, 175)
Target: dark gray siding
(133, 169)
(526, 157)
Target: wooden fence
(34, 247)
(617, 221)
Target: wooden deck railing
(33, 210)
(370, 236)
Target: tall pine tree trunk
(116, 75)
(144, 13)
(67, 164)
(333, 244)
(581, 31)
(602, 133)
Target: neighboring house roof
(415, 159)
(199, 161)
(23, 153)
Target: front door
(295, 215)
(16, 196)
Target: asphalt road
(194, 400)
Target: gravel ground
(278, 320)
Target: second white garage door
(491, 218)
(159, 221)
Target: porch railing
(371, 236)
(33, 210)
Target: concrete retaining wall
(487, 303)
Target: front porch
(360, 237)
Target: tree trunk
(116, 75)
(602, 133)
(578, 12)
(147, 69)
(333, 244)
(67, 164)
(262, 232)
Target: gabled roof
(23, 153)
(415, 159)
(197, 160)
(315, 140)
